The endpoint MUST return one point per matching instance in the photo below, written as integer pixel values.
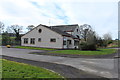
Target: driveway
(99, 67)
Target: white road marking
(107, 74)
(89, 62)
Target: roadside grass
(11, 69)
(0, 68)
(98, 52)
(36, 48)
(113, 46)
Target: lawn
(37, 48)
(12, 69)
(98, 52)
(113, 46)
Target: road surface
(100, 67)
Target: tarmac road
(99, 67)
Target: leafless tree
(30, 27)
(9, 30)
(1, 27)
(107, 39)
(107, 36)
(84, 29)
(17, 29)
(91, 37)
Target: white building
(61, 37)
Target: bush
(6, 40)
(86, 46)
(110, 42)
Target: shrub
(86, 46)
(110, 42)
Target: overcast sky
(102, 15)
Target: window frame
(76, 43)
(25, 40)
(53, 40)
(39, 39)
(32, 40)
(40, 30)
(77, 30)
(64, 42)
(69, 42)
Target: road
(100, 67)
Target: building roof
(61, 31)
(66, 28)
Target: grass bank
(36, 48)
(98, 52)
(113, 46)
(12, 69)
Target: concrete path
(100, 67)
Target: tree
(107, 39)
(6, 39)
(107, 36)
(84, 29)
(1, 27)
(9, 30)
(30, 27)
(89, 38)
(17, 29)
(100, 42)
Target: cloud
(100, 14)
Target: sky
(102, 15)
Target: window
(39, 39)
(32, 41)
(77, 30)
(78, 36)
(76, 43)
(25, 40)
(53, 40)
(64, 42)
(69, 41)
(40, 30)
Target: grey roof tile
(61, 30)
(66, 27)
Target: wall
(71, 45)
(76, 33)
(45, 36)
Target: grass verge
(12, 69)
(37, 48)
(98, 52)
(113, 46)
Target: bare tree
(84, 29)
(107, 39)
(17, 29)
(91, 37)
(9, 30)
(30, 27)
(1, 27)
(107, 36)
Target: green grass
(12, 37)
(113, 46)
(99, 52)
(37, 48)
(12, 69)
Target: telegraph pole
(50, 24)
